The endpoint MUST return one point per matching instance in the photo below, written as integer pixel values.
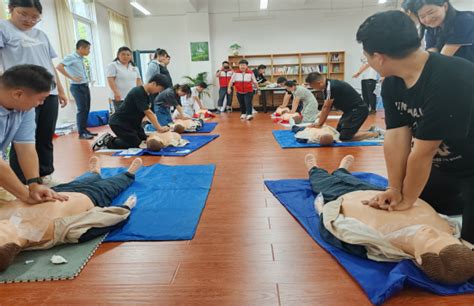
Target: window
(84, 25)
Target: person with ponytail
(158, 65)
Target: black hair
(33, 77)
(160, 52)
(225, 62)
(281, 80)
(82, 43)
(122, 49)
(448, 24)
(26, 3)
(314, 77)
(392, 33)
(261, 67)
(184, 88)
(202, 85)
(243, 61)
(161, 80)
(290, 83)
(407, 5)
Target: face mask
(226, 67)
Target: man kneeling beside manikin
(85, 215)
(418, 233)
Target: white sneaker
(242, 116)
(249, 117)
(49, 181)
(254, 111)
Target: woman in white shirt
(368, 83)
(122, 76)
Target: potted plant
(199, 78)
(235, 49)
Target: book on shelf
(314, 68)
(286, 70)
(335, 58)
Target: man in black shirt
(428, 98)
(126, 122)
(258, 72)
(342, 96)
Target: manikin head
(24, 87)
(316, 81)
(83, 47)
(388, 38)
(154, 144)
(178, 128)
(442, 257)
(243, 65)
(320, 136)
(25, 14)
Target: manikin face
(26, 99)
(243, 67)
(25, 18)
(430, 240)
(432, 15)
(125, 57)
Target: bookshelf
(294, 66)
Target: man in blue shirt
(22, 88)
(73, 68)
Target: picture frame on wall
(200, 51)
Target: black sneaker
(102, 142)
(90, 133)
(85, 136)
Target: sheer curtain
(119, 37)
(3, 10)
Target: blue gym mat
(379, 280)
(206, 128)
(286, 139)
(195, 143)
(170, 200)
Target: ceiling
(176, 7)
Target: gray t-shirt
(25, 47)
(125, 77)
(310, 104)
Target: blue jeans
(99, 190)
(224, 95)
(163, 114)
(82, 96)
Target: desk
(272, 91)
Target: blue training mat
(206, 128)
(379, 280)
(286, 139)
(195, 143)
(170, 200)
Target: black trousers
(368, 87)
(127, 137)
(46, 118)
(245, 102)
(451, 195)
(351, 121)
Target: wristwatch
(37, 180)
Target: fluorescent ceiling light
(382, 1)
(139, 7)
(263, 4)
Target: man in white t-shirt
(368, 83)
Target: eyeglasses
(26, 17)
(429, 14)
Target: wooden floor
(248, 250)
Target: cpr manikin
(186, 125)
(284, 115)
(418, 233)
(157, 141)
(325, 135)
(83, 216)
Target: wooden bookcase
(294, 66)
